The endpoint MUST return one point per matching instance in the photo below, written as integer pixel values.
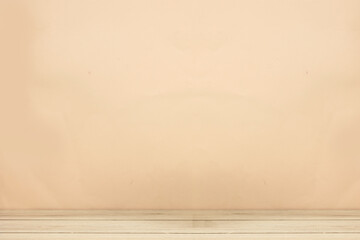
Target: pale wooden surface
(202, 225)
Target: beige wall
(180, 104)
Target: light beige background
(180, 104)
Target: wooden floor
(200, 225)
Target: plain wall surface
(180, 104)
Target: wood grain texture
(69, 236)
(150, 224)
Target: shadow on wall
(30, 147)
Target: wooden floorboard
(202, 225)
(180, 237)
